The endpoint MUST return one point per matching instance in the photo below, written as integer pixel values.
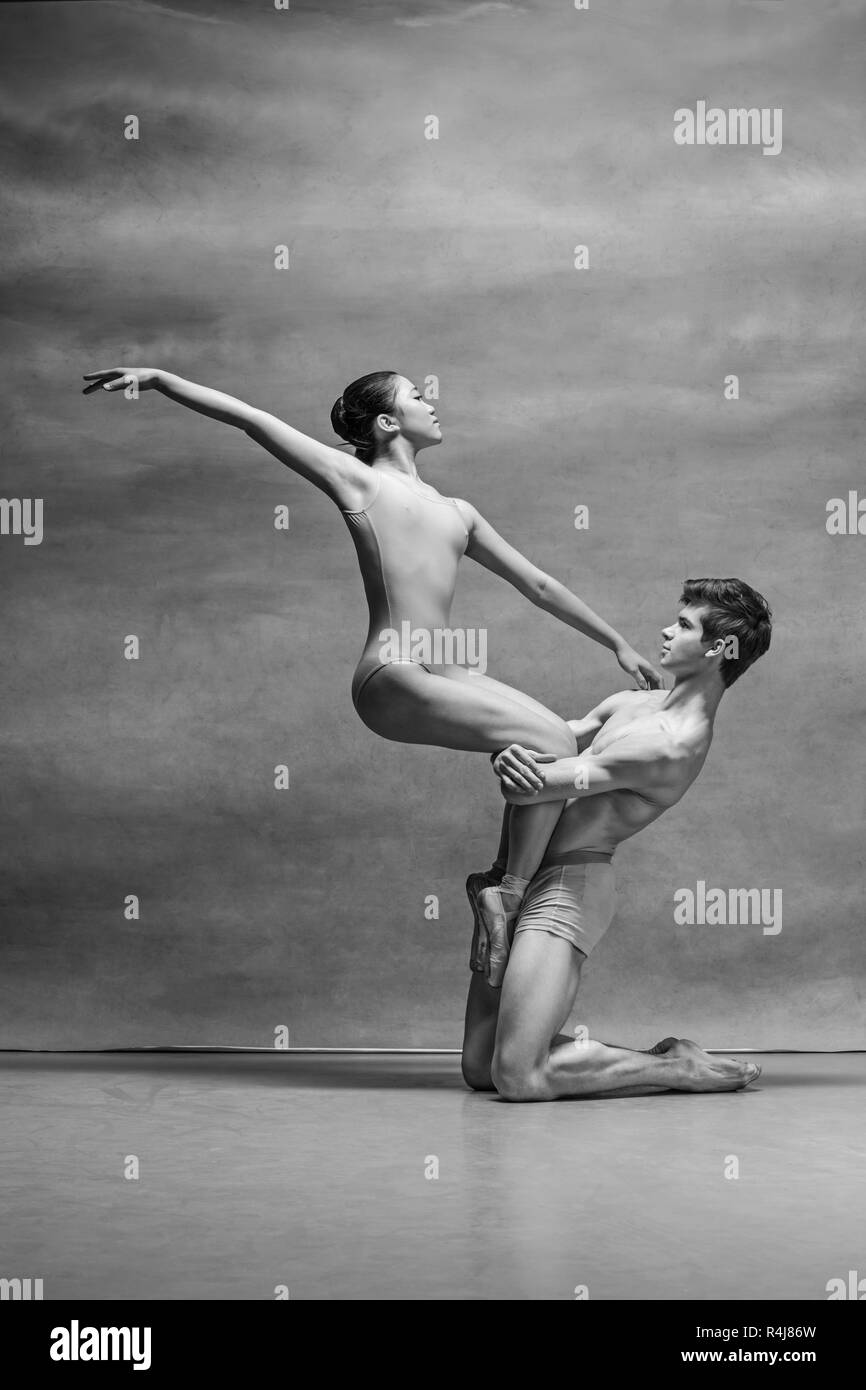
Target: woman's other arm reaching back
(346, 481)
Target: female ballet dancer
(409, 540)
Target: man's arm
(639, 763)
(518, 768)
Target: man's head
(723, 623)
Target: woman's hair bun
(353, 414)
(338, 418)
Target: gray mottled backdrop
(604, 387)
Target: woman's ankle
(514, 885)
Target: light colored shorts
(573, 895)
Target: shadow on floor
(356, 1072)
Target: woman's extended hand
(642, 672)
(118, 378)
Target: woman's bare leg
(521, 837)
(500, 863)
(465, 710)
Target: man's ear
(717, 648)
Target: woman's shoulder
(466, 510)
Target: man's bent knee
(479, 1080)
(523, 1086)
(516, 1082)
(476, 1072)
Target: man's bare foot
(703, 1072)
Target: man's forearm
(566, 778)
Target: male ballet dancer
(638, 752)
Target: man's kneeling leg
(538, 994)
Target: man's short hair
(733, 609)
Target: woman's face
(416, 417)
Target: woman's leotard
(409, 541)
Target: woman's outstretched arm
(340, 475)
(495, 554)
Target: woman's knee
(557, 739)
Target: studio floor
(358, 1176)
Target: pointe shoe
(494, 929)
(474, 885)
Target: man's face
(685, 648)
